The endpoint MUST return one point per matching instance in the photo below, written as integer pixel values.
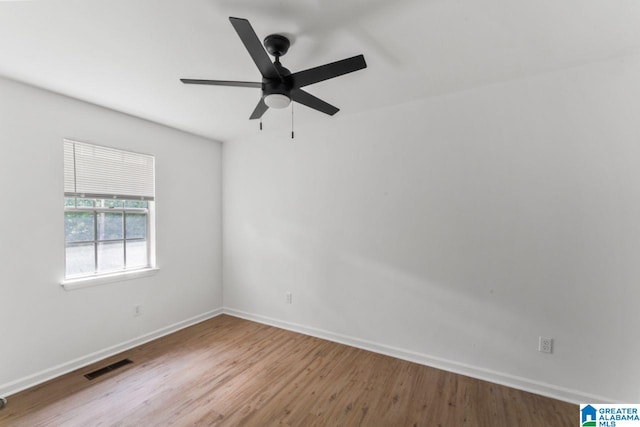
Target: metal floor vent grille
(107, 369)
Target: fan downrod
(277, 45)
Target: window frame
(95, 211)
(102, 175)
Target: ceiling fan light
(276, 100)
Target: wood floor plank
(232, 372)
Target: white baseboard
(520, 383)
(526, 384)
(53, 372)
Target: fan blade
(327, 71)
(259, 110)
(254, 46)
(305, 98)
(221, 83)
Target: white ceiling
(129, 54)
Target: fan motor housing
(270, 87)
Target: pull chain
(292, 134)
(260, 123)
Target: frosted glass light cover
(276, 100)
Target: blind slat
(107, 172)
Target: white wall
(45, 329)
(456, 230)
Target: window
(108, 210)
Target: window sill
(85, 282)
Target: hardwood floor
(231, 372)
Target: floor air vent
(107, 369)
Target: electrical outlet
(137, 310)
(545, 345)
(288, 297)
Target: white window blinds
(94, 171)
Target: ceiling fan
(279, 86)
